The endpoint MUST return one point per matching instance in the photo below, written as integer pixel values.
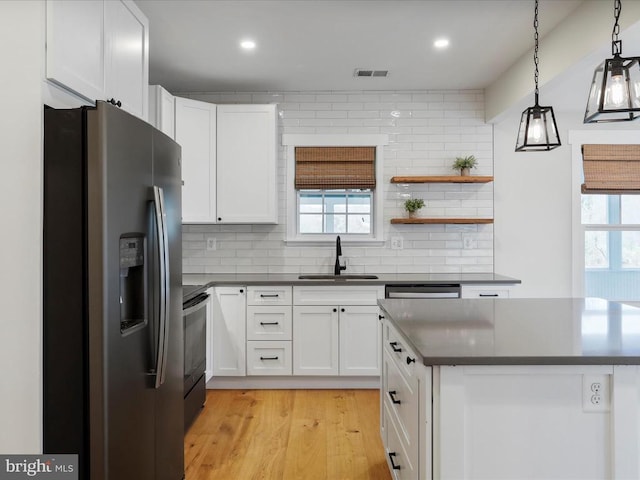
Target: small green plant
(464, 162)
(413, 204)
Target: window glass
(595, 209)
(335, 212)
(596, 249)
(631, 249)
(630, 209)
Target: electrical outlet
(397, 243)
(211, 243)
(596, 393)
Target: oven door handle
(194, 308)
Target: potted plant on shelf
(413, 205)
(464, 164)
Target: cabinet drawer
(269, 323)
(269, 295)
(268, 358)
(342, 295)
(397, 348)
(401, 464)
(493, 291)
(402, 398)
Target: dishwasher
(422, 291)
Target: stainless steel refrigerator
(113, 334)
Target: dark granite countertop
(535, 331)
(383, 279)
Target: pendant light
(615, 89)
(538, 130)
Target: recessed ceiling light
(248, 44)
(441, 43)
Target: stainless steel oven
(194, 315)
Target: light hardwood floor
(287, 434)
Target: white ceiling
(317, 44)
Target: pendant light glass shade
(538, 130)
(615, 91)
(615, 88)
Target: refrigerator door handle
(163, 281)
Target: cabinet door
(162, 110)
(127, 56)
(75, 46)
(229, 317)
(247, 184)
(196, 133)
(359, 340)
(315, 340)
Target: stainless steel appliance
(194, 315)
(417, 290)
(113, 337)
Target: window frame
(290, 141)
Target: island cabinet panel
(530, 419)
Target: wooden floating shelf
(443, 179)
(459, 221)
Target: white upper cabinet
(99, 50)
(162, 110)
(195, 128)
(127, 56)
(247, 185)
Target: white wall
(22, 54)
(426, 129)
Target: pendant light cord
(535, 51)
(616, 45)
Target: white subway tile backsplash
(427, 130)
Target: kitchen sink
(338, 277)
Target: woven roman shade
(335, 167)
(611, 169)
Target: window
(612, 246)
(331, 188)
(335, 212)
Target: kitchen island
(511, 388)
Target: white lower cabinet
(336, 338)
(486, 291)
(315, 340)
(229, 333)
(269, 325)
(269, 358)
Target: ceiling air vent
(360, 72)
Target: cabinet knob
(380, 317)
(335, 309)
(342, 309)
(219, 219)
(410, 360)
(241, 290)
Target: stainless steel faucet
(338, 268)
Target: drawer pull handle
(269, 323)
(394, 346)
(392, 396)
(392, 455)
(410, 360)
(269, 358)
(275, 295)
(488, 295)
